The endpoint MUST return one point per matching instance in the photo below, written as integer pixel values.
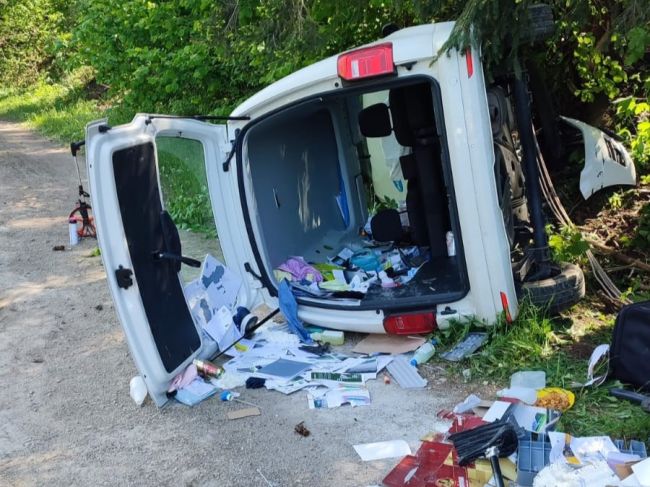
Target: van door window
(184, 187)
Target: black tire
(557, 293)
(541, 24)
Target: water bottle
(138, 389)
(424, 353)
(72, 228)
(451, 244)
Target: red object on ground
(427, 468)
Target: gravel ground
(66, 417)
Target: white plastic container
(451, 244)
(138, 390)
(423, 354)
(533, 379)
(72, 230)
(525, 394)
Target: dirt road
(66, 417)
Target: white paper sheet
(222, 328)
(642, 472)
(382, 449)
(221, 283)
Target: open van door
(140, 244)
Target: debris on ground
(58, 248)
(382, 449)
(243, 413)
(463, 349)
(519, 432)
(301, 429)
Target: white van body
(486, 287)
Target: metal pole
(541, 253)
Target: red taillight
(411, 324)
(506, 307)
(366, 62)
(470, 62)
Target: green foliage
(634, 126)
(568, 245)
(616, 201)
(28, 30)
(642, 236)
(60, 110)
(599, 73)
(184, 184)
(536, 342)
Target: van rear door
(139, 240)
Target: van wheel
(541, 26)
(557, 293)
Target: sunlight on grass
(59, 110)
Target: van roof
(409, 44)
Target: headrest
(411, 108)
(386, 226)
(374, 121)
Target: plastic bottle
(329, 336)
(138, 390)
(72, 229)
(451, 244)
(424, 353)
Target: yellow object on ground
(555, 398)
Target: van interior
(315, 171)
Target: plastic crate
(532, 456)
(634, 447)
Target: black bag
(629, 354)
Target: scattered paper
(222, 328)
(333, 398)
(468, 404)
(220, 282)
(382, 449)
(287, 387)
(392, 344)
(286, 369)
(580, 450)
(336, 377)
(243, 413)
(642, 472)
(534, 419)
(496, 411)
(195, 392)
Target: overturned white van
(293, 171)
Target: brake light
(366, 62)
(470, 62)
(410, 324)
(506, 307)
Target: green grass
(561, 348)
(57, 110)
(184, 183)
(61, 112)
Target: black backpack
(629, 353)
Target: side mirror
(374, 121)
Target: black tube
(496, 470)
(531, 173)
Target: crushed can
(208, 369)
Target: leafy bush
(642, 237)
(568, 245)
